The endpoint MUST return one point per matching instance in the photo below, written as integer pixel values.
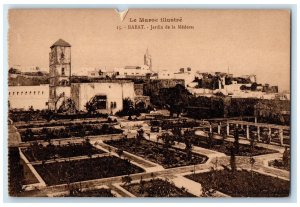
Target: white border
(121, 7)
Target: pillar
(281, 136)
(270, 134)
(210, 128)
(255, 120)
(258, 133)
(227, 129)
(247, 131)
(219, 128)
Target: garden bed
(243, 183)
(39, 152)
(76, 130)
(46, 115)
(278, 163)
(225, 146)
(59, 124)
(85, 169)
(168, 158)
(156, 188)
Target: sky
(241, 41)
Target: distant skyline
(246, 41)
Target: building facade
(26, 97)
(108, 94)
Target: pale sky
(246, 41)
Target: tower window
(63, 71)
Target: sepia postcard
(149, 103)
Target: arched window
(9, 93)
(17, 93)
(13, 93)
(26, 93)
(38, 92)
(115, 105)
(42, 92)
(62, 71)
(29, 92)
(33, 92)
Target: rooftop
(61, 42)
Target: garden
(59, 123)
(75, 130)
(163, 154)
(155, 188)
(284, 163)
(241, 183)
(225, 147)
(65, 172)
(39, 152)
(47, 115)
(220, 145)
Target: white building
(185, 74)
(110, 95)
(24, 97)
(131, 71)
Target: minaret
(60, 71)
(147, 59)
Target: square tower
(60, 71)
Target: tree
(14, 71)
(253, 86)
(210, 139)
(109, 150)
(188, 148)
(127, 180)
(68, 106)
(176, 131)
(252, 161)
(232, 159)
(139, 136)
(167, 139)
(128, 109)
(209, 189)
(224, 135)
(286, 157)
(176, 99)
(188, 144)
(236, 140)
(252, 143)
(141, 107)
(142, 186)
(119, 152)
